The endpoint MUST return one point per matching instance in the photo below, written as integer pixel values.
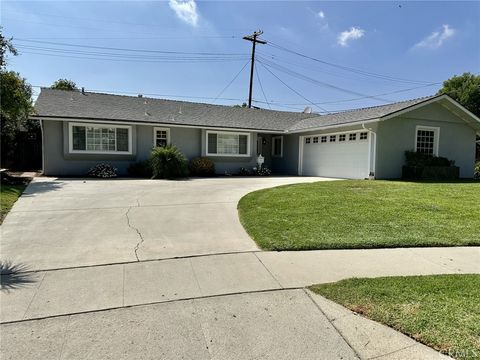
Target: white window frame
(99, 125)
(436, 137)
(155, 129)
(281, 146)
(248, 154)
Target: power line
(261, 88)
(362, 98)
(96, 20)
(314, 68)
(129, 55)
(132, 60)
(315, 81)
(134, 37)
(129, 49)
(347, 68)
(231, 81)
(292, 89)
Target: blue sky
(400, 44)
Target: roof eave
(150, 123)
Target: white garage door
(340, 155)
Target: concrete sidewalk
(284, 324)
(240, 306)
(76, 290)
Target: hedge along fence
(427, 167)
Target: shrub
(202, 166)
(476, 174)
(244, 172)
(102, 170)
(141, 169)
(168, 163)
(263, 171)
(418, 159)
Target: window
(333, 138)
(352, 137)
(228, 144)
(99, 138)
(307, 140)
(277, 146)
(323, 139)
(426, 140)
(315, 139)
(363, 135)
(161, 137)
(342, 137)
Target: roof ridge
(379, 106)
(181, 101)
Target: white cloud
(321, 14)
(436, 38)
(346, 36)
(185, 10)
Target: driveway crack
(141, 241)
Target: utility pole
(254, 40)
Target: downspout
(43, 146)
(371, 165)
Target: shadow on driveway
(15, 276)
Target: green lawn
(8, 195)
(442, 311)
(363, 214)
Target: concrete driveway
(62, 223)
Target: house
(81, 129)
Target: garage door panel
(347, 159)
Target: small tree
(64, 84)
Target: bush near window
(140, 169)
(202, 166)
(102, 170)
(418, 159)
(168, 163)
(244, 172)
(263, 171)
(427, 167)
(477, 170)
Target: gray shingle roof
(351, 116)
(74, 104)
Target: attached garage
(339, 155)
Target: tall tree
(64, 84)
(465, 89)
(16, 102)
(6, 47)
